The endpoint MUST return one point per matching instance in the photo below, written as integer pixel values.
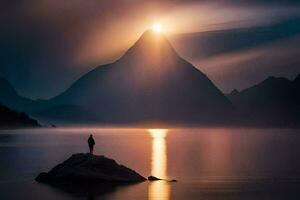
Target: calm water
(208, 163)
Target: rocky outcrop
(83, 169)
(153, 178)
(12, 119)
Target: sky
(45, 45)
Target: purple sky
(47, 44)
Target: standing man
(91, 143)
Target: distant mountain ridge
(10, 98)
(274, 101)
(152, 83)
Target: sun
(157, 28)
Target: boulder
(153, 178)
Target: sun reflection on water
(159, 189)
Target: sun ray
(157, 28)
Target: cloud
(211, 43)
(245, 2)
(240, 58)
(245, 68)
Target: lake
(209, 163)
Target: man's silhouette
(91, 143)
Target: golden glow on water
(159, 153)
(159, 189)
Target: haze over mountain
(150, 82)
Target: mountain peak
(151, 45)
(149, 33)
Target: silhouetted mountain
(273, 102)
(10, 98)
(13, 119)
(149, 82)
